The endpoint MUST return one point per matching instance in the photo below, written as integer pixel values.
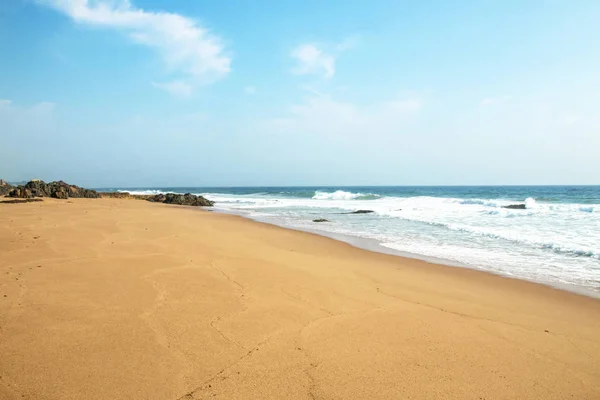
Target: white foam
(341, 195)
(559, 242)
(530, 203)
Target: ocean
(554, 239)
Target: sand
(126, 299)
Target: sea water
(555, 239)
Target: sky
(141, 93)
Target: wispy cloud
(313, 91)
(311, 60)
(314, 59)
(190, 51)
(250, 90)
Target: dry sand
(124, 299)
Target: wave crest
(342, 195)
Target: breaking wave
(342, 195)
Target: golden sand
(122, 299)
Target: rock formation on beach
(516, 206)
(4, 187)
(187, 199)
(125, 195)
(18, 201)
(61, 190)
(57, 189)
(320, 220)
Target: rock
(60, 193)
(362, 212)
(4, 188)
(125, 195)
(159, 198)
(20, 192)
(16, 201)
(516, 207)
(320, 220)
(59, 190)
(38, 188)
(187, 199)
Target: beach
(127, 299)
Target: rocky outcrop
(362, 212)
(516, 206)
(4, 188)
(320, 220)
(125, 195)
(17, 201)
(58, 190)
(187, 199)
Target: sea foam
(548, 240)
(342, 195)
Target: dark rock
(187, 199)
(516, 207)
(60, 193)
(20, 192)
(38, 188)
(362, 212)
(320, 220)
(58, 190)
(159, 198)
(17, 201)
(5, 188)
(126, 195)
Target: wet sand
(126, 299)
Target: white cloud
(188, 49)
(176, 88)
(312, 60)
(250, 90)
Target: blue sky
(210, 93)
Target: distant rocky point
(39, 188)
(61, 190)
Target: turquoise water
(554, 240)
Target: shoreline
(375, 246)
(195, 304)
